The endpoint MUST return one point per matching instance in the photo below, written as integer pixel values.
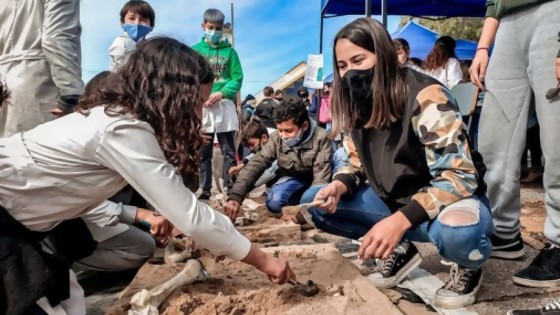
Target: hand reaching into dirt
(383, 237)
(277, 269)
(478, 68)
(232, 209)
(330, 194)
(57, 112)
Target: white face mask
(291, 142)
(213, 36)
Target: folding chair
(466, 95)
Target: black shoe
(543, 272)
(403, 260)
(205, 195)
(552, 308)
(461, 289)
(507, 248)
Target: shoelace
(388, 264)
(552, 306)
(458, 279)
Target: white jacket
(68, 167)
(39, 59)
(120, 50)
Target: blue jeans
(286, 192)
(467, 245)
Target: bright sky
(271, 36)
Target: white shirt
(68, 167)
(120, 50)
(222, 117)
(450, 75)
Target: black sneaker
(393, 270)
(543, 272)
(205, 195)
(552, 308)
(507, 248)
(461, 289)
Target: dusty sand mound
(236, 288)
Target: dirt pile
(236, 288)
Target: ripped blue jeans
(467, 244)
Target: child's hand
(215, 98)
(232, 209)
(234, 170)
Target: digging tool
(302, 210)
(147, 302)
(309, 288)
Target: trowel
(309, 288)
(301, 210)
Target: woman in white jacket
(142, 130)
(442, 63)
(39, 60)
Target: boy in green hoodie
(219, 116)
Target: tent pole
(368, 8)
(321, 35)
(384, 12)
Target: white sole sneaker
(453, 302)
(536, 283)
(386, 283)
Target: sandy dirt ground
(236, 288)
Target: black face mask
(357, 85)
(303, 95)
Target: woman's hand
(277, 269)
(330, 194)
(478, 68)
(383, 237)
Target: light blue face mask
(136, 31)
(213, 36)
(292, 142)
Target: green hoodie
(226, 65)
(500, 8)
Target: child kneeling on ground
(424, 183)
(303, 152)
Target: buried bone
(178, 250)
(147, 302)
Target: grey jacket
(40, 58)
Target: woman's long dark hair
(443, 50)
(160, 84)
(388, 84)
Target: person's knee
(309, 195)
(463, 236)
(146, 246)
(274, 204)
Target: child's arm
(322, 168)
(233, 86)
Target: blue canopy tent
(440, 8)
(422, 39)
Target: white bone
(147, 302)
(178, 250)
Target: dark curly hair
(4, 93)
(443, 50)
(160, 84)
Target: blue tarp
(447, 8)
(422, 39)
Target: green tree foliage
(458, 28)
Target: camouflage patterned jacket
(419, 164)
